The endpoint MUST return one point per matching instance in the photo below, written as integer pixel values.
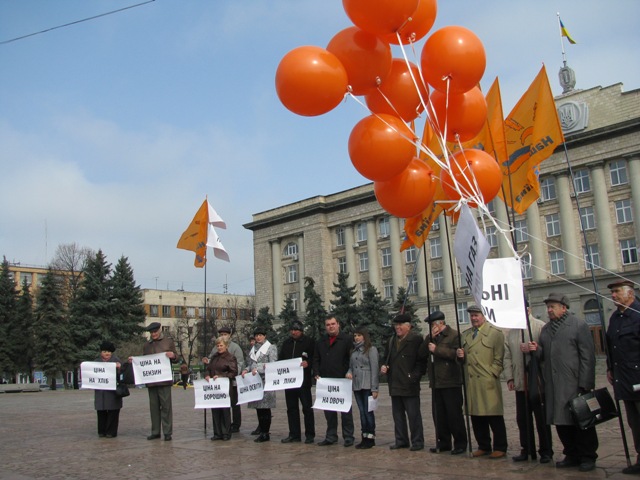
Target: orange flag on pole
(200, 234)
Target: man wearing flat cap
(160, 406)
(234, 349)
(404, 366)
(298, 345)
(445, 380)
(623, 341)
(482, 354)
(569, 369)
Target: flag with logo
(201, 234)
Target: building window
(595, 257)
(191, 312)
(587, 218)
(463, 315)
(361, 232)
(435, 248)
(618, 170)
(153, 310)
(623, 211)
(521, 231)
(629, 251)
(411, 254)
(340, 237)
(387, 285)
(557, 262)
(491, 206)
(526, 267)
(292, 273)
(384, 229)
(435, 226)
(364, 261)
(224, 313)
(166, 311)
(291, 249)
(363, 288)
(294, 300)
(342, 265)
(386, 257)
(179, 311)
(548, 188)
(492, 238)
(28, 277)
(437, 277)
(581, 181)
(412, 285)
(553, 224)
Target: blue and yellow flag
(565, 33)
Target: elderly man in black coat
(404, 366)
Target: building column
(536, 243)
(504, 243)
(276, 275)
(608, 257)
(634, 173)
(374, 256)
(446, 262)
(421, 273)
(397, 269)
(350, 254)
(573, 257)
(301, 273)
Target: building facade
(349, 232)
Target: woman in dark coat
(107, 403)
(222, 364)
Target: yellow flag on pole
(200, 234)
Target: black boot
(263, 437)
(363, 443)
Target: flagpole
(206, 338)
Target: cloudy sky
(113, 131)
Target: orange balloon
(310, 81)
(419, 24)
(465, 115)
(402, 98)
(453, 53)
(380, 147)
(409, 193)
(470, 168)
(365, 57)
(379, 16)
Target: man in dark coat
(298, 345)
(331, 359)
(445, 380)
(569, 369)
(404, 366)
(623, 337)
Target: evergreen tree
(403, 304)
(8, 321)
(286, 316)
(54, 350)
(374, 315)
(127, 304)
(25, 339)
(91, 309)
(316, 313)
(344, 303)
(265, 320)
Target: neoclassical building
(349, 232)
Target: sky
(114, 130)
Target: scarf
(554, 325)
(256, 351)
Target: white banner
(283, 375)
(212, 394)
(98, 375)
(471, 250)
(152, 368)
(333, 394)
(503, 296)
(250, 388)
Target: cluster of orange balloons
(358, 61)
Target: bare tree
(185, 335)
(71, 258)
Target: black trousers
(633, 419)
(524, 417)
(221, 422)
(483, 426)
(332, 426)
(264, 420)
(448, 418)
(578, 444)
(108, 422)
(236, 413)
(403, 409)
(294, 398)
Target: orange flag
(532, 132)
(197, 235)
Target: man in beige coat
(515, 356)
(482, 353)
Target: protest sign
(283, 375)
(333, 394)
(212, 394)
(250, 388)
(152, 368)
(503, 293)
(98, 375)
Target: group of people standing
(546, 366)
